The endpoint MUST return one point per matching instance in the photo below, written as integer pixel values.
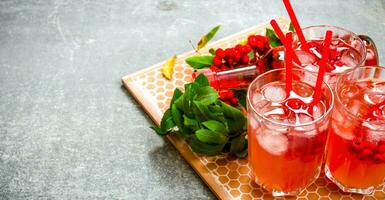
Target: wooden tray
(228, 177)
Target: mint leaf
(158, 131)
(176, 115)
(236, 121)
(203, 148)
(201, 111)
(273, 38)
(215, 126)
(206, 95)
(199, 62)
(210, 137)
(202, 80)
(206, 38)
(232, 113)
(176, 95)
(167, 122)
(191, 123)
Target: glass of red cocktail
(286, 133)
(355, 158)
(347, 51)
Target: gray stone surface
(67, 128)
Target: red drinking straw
(322, 67)
(296, 25)
(281, 36)
(289, 62)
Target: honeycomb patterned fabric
(227, 176)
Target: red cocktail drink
(356, 145)
(347, 51)
(286, 133)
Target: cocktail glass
(347, 51)
(286, 135)
(355, 158)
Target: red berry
(245, 59)
(222, 94)
(357, 144)
(230, 94)
(238, 47)
(229, 52)
(214, 68)
(252, 40)
(295, 103)
(338, 63)
(371, 146)
(366, 152)
(378, 158)
(230, 61)
(381, 148)
(237, 56)
(217, 61)
(220, 53)
(234, 101)
(246, 49)
(334, 54)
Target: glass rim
(363, 58)
(339, 82)
(324, 115)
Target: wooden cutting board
(227, 176)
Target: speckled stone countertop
(68, 130)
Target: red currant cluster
(228, 97)
(239, 55)
(259, 43)
(368, 150)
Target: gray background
(67, 128)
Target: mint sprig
(209, 125)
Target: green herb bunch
(209, 125)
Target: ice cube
(305, 57)
(274, 143)
(303, 89)
(358, 108)
(303, 118)
(318, 110)
(308, 130)
(374, 98)
(316, 53)
(274, 93)
(274, 112)
(375, 136)
(258, 100)
(349, 91)
(349, 58)
(380, 87)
